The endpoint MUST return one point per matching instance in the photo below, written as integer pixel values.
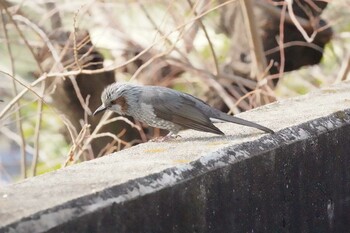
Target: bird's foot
(166, 138)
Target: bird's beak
(99, 109)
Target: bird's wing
(178, 108)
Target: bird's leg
(169, 137)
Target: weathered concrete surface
(297, 180)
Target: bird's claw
(166, 138)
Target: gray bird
(166, 108)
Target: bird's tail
(241, 121)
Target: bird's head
(114, 98)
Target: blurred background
(57, 57)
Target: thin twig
(79, 95)
(281, 41)
(78, 140)
(199, 20)
(87, 140)
(16, 138)
(275, 12)
(295, 43)
(37, 130)
(222, 93)
(70, 127)
(344, 69)
(75, 51)
(18, 104)
(19, 95)
(251, 84)
(255, 42)
(42, 35)
(12, 19)
(143, 8)
(297, 24)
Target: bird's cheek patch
(121, 101)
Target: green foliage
(44, 167)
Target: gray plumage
(166, 108)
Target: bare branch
(18, 104)
(256, 45)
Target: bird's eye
(113, 102)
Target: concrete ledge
(297, 180)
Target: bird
(166, 108)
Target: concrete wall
(297, 180)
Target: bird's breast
(145, 113)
